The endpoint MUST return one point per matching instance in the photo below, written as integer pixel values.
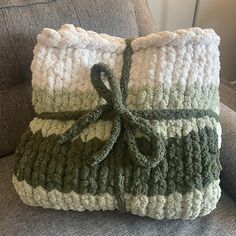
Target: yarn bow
(123, 117)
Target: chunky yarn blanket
(128, 124)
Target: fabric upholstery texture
(228, 150)
(15, 113)
(19, 219)
(21, 20)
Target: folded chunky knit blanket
(123, 124)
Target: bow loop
(112, 96)
(96, 79)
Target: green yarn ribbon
(123, 117)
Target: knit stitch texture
(123, 124)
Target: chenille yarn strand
(116, 97)
(165, 90)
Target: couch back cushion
(22, 20)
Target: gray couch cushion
(19, 219)
(22, 20)
(228, 150)
(15, 113)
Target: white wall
(172, 14)
(221, 16)
(217, 14)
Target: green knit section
(159, 96)
(189, 162)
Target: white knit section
(70, 68)
(69, 36)
(174, 206)
(175, 66)
(102, 129)
(62, 59)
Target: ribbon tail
(104, 152)
(81, 124)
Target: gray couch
(21, 20)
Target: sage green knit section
(194, 96)
(189, 162)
